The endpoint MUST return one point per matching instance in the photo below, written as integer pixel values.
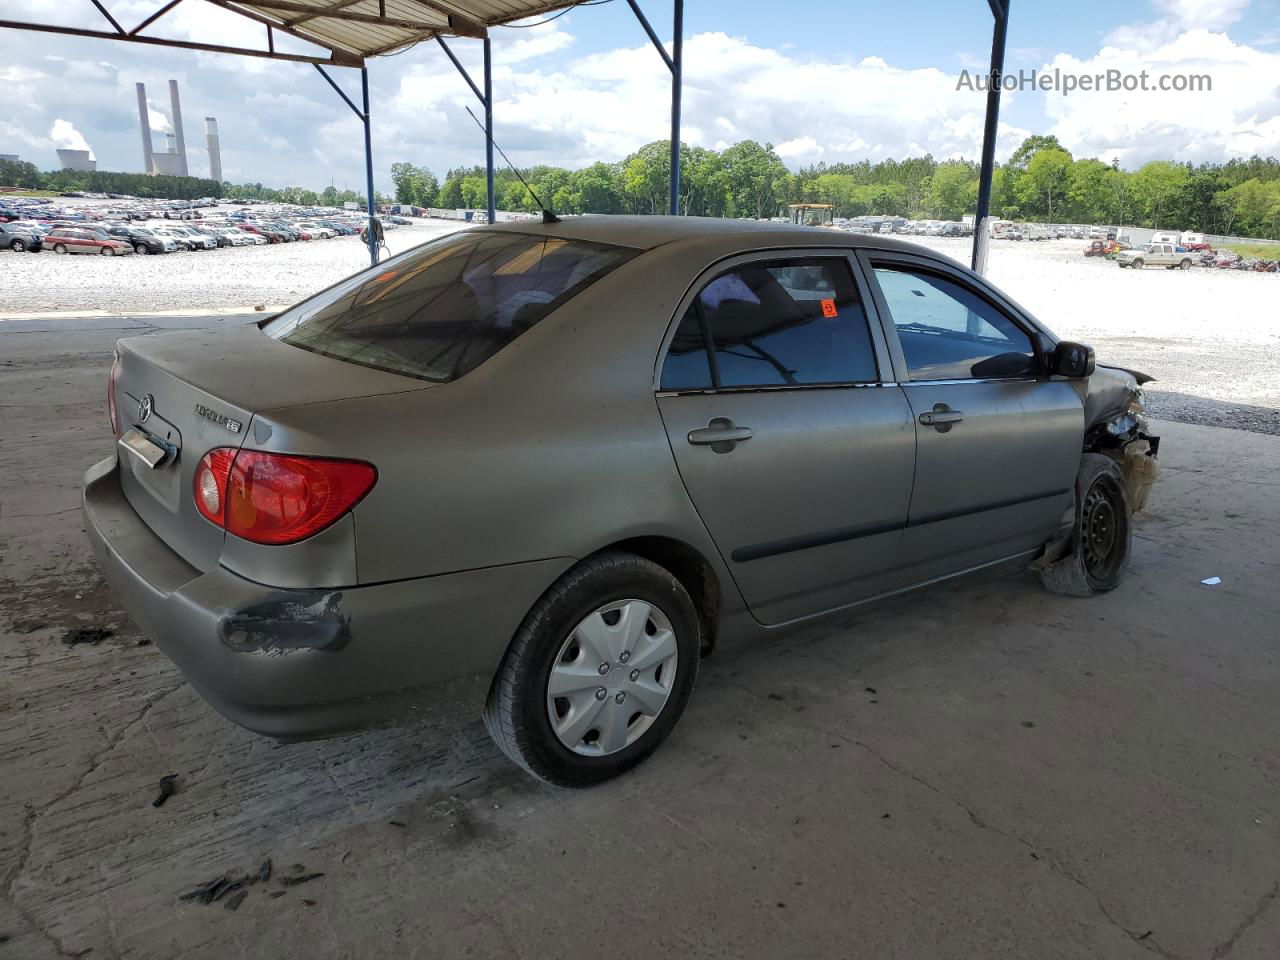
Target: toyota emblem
(144, 408)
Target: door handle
(720, 434)
(941, 417)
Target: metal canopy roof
(349, 30)
(369, 28)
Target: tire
(17, 245)
(140, 248)
(1185, 265)
(107, 252)
(1139, 264)
(519, 710)
(59, 248)
(1102, 537)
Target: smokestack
(215, 154)
(177, 127)
(147, 165)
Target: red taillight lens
(112, 378)
(275, 498)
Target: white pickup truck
(1162, 254)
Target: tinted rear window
(442, 309)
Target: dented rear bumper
(303, 663)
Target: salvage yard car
(574, 457)
(1155, 254)
(20, 237)
(85, 240)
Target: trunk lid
(205, 387)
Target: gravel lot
(1208, 336)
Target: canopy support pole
(486, 100)
(675, 63)
(488, 130)
(363, 116)
(370, 234)
(981, 231)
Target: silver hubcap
(612, 677)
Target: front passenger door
(998, 443)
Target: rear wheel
(599, 672)
(1185, 265)
(59, 248)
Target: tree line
(1040, 182)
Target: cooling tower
(76, 160)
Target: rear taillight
(276, 498)
(212, 474)
(112, 379)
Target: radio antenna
(547, 215)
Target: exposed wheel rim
(18, 246)
(612, 677)
(1102, 521)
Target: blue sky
(826, 80)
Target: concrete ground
(982, 771)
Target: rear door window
(442, 309)
(770, 324)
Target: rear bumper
(294, 664)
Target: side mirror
(1075, 360)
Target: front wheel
(599, 672)
(1139, 264)
(1102, 536)
(17, 245)
(140, 248)
(107, 252)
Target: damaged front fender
(1116, 425)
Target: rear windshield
(442, 309)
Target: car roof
(647, 232)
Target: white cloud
(1203, 14)
(158, 122)
(64, 136)
(1239, 117)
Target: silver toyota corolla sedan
(575, 457)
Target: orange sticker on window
(828, 308)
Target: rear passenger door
(795, 451)
(998, 442)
